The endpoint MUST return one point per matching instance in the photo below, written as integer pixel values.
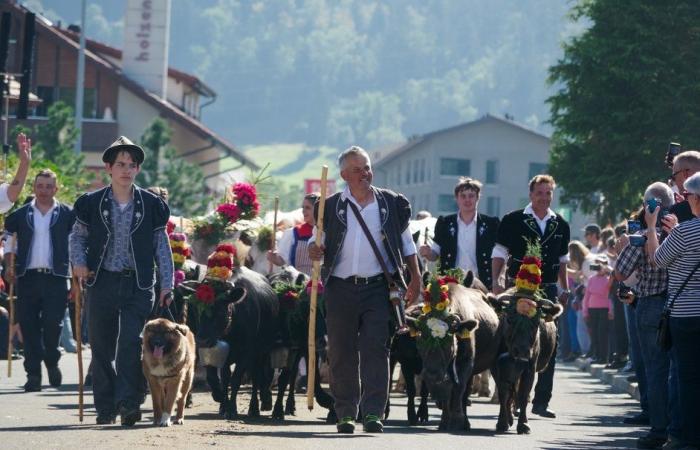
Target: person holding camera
(651, 297)
(679, 253)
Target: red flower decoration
(170, 227)
(230, 211)
(228, 248)
(205, 294)
(532, 260)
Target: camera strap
(375, 249)
(669, 305)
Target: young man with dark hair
(42, 227)
(118, 236)
(539, 223)
(464, 239)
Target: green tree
(187, 193)
(626, 87)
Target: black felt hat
(121, 144)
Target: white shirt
(356, 256)
(41, 253)
(5, 203)
(466, 245)
(499, 251)
(285, 243)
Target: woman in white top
(293, 245)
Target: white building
(500, 153)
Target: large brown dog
(168, 364)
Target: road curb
(611, 377)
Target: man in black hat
(118, 235)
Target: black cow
(527, 344)
(293, 335)
(246, 320)
(405, 352)
(448, 369)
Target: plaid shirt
(652, 279)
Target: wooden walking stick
(315, 275)
(11, 301)
(79, 342)
(273, 236)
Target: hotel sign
(146, 41)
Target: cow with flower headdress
(234, 313)
(528, 338)
(455, 332)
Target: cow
(405, 352)
(527, 336)
(294, 325)
(469, 348)
(240, 331)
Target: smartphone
(633, 226)
(595, 267)
(674, 149)
(652, 203)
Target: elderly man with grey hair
(679, 254)
(356, 290)
(651, 297)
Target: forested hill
(332, 72)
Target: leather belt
(127, 273)
(43, 270)
(354, 279)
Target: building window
(493, 206)
(422, 170)
(47, 96)
(67, 95)
(455, 167)
(536, 169)
(408, 173)
(398, 174)
(446, 202)
(492, 171)
(416, 165)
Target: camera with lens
(625, 293)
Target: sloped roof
(165, 108)
(388, 154)
(101, 48)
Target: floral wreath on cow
(435, 325)
(215, 285)
(239, 203)
(181, 251)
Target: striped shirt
(680, 254)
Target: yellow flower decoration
(441, 306)
(444, 288)
(426, 308)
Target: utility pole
(80, 82)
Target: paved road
(589, 415)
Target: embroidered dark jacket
(394, 214)
(446, 234)
(150, 214)
(21, 222)
(517, 226)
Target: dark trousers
(685, 333)
(357, 319)
(545, 380)
(598, 326)
(620, 329)
(41, 305)
(117, 312)
(657, 362)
